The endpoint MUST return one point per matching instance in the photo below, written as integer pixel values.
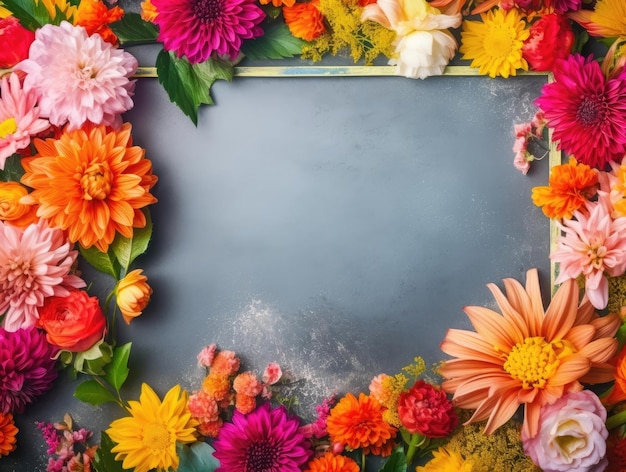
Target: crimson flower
(426, 410)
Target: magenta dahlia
(198, 28)
(266, 440)
(586, 112)
(26, 368)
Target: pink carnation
(79, 78)
(272, 373)
(247, 384)
(206, 355)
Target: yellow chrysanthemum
(446, 461)
(147, 439)
(495, 44)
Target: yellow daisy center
(500, 41)
(7, 127)
(156, 436)
(96, 182)
(534, 361)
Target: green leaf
(105, 459)
(102, 261)
(276, 43)
(32, 15)
(126, 250)
(133, 29)
(116, 372)
(396, 462)
(13, 169)
(197, 458)
(94, 393)
(189, 86)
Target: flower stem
(616, 420)
(417, 440)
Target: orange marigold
(305, 20)
(95, 17)
(210, 429)
(91, 182)
(216, 386)
(8, 441)
(358, 423)
(329, 462)
(571, 185)
(225, 363)
(245, 403)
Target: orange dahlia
(527, 356)
(7, 434)
(305, 20)
(358, 423)
(95, 17)
(329, 462)
(570, 187)
(91, 182)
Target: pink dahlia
(19, 117)
(593, 244)
(35, 263)
(79, 78)
(198, 28)
(26, 368)
(587, 112)
(266, 439)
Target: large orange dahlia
(91, 182)
(527, 356)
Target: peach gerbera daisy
(91, 182)
(527, 355)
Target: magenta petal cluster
(197, 29)
(19, 117)
(26, 368)
(586, 112)
(593, 243)
(35, 263)
(267, 439)
(572, 435)
(79, 78)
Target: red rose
(426, 410)
(14, 42)
(551, 38)
(73, 323)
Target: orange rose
(133, 295)
(11, 210)
(73, 323)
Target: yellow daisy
(495, 44)
(445, 460)
(608, 19)
(62, 6)
(147, 439)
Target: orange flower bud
(133, 294)
(11, 210)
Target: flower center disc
(7, 127)
(96, 182)
(261, 457)
(499, 42)
(207, 10)
(156, 436)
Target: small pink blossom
(593, 245)
(377, 390)
(206, 355)
(272, 373)
(521, 162)
(572, 435)
(317, 429)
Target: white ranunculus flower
(424, 46)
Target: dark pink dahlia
(26, 368)
(266, 440)
(586, 111)
(198, 28)
(563, 6)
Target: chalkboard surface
(334, 225)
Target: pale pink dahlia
(587, 112)
(79, 78)
(198, 28)
(265, 440)
(19, 117)
(593, 243)
(26, 368)
(35, 263)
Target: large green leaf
(32, 15)
(197, 458)
(13, 169)
(396, 462)
(189, 86)
(117, 371)
(105, 459)
(132, 29)
(126, 250)
(102, 261)
(94, 393)
(276, 43)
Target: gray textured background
(334, 225)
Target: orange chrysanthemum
(358, 423)
(329, 462)
(305, 20)
(571, 185)
(278, 3)
(95, 17)
(8, 441)
(527, 356)
(91, 182)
